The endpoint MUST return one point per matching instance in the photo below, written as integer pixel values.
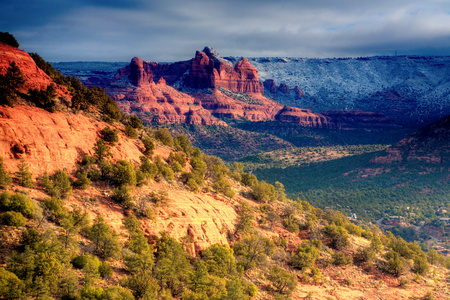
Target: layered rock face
(34, 77)
(217, 89)
(209, 70)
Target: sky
(172, 30)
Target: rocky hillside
(128, 212)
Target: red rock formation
(209, 71)
(284, 88)
(271, 86)
(304, 117)
(158, 102)
(34, 77)
(298, 92)
(53, 141)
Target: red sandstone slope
(53, 141)
(35, 78)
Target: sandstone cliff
(212, 89)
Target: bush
(395, 264)
(57, 185)
(9, 39)
(105, 241)
(117, 293)
(5, 178)
(282, 280)
(18, 203)
(164, 136)
(219, 260)
(365, 254)
(12, 218)
(109, 135)
(131, 132)
(23, 176)
(148, 168)
(340, 259)
(44, 98)
(305, 257)
(420, 265)
(122, 196)
(11, 287)
(83, 181)
(292, 224)
(182, 143)
(149, 146)
(55, 208)
(124, 173)
(338, 236)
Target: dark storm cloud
(173, 29)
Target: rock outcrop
(208, 70)
(34, 77)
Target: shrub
(365, 254)
(340, 259)
(5, 178)
(12, 218)
(160, 198)
(109, 135)
(164, 136)
(395, 264)
(219, 260)
(10, 85)
(55, 208)
(282, 280)
(131, 132)
(105, 241)
(57, 185)
(83, 181)
(264, 192)
(124, 173)
(101, 150)
(182, 143)
(9, 39)
(338, 236)
(44, 98)
(18, 203)
(148, 168)
(23, 176)
(292, 224)
(11, 287)
(305, 257)
(420, 265)
(82, 260)
(117, 293)
(122, 196)
(149, 146)
(245, 219)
